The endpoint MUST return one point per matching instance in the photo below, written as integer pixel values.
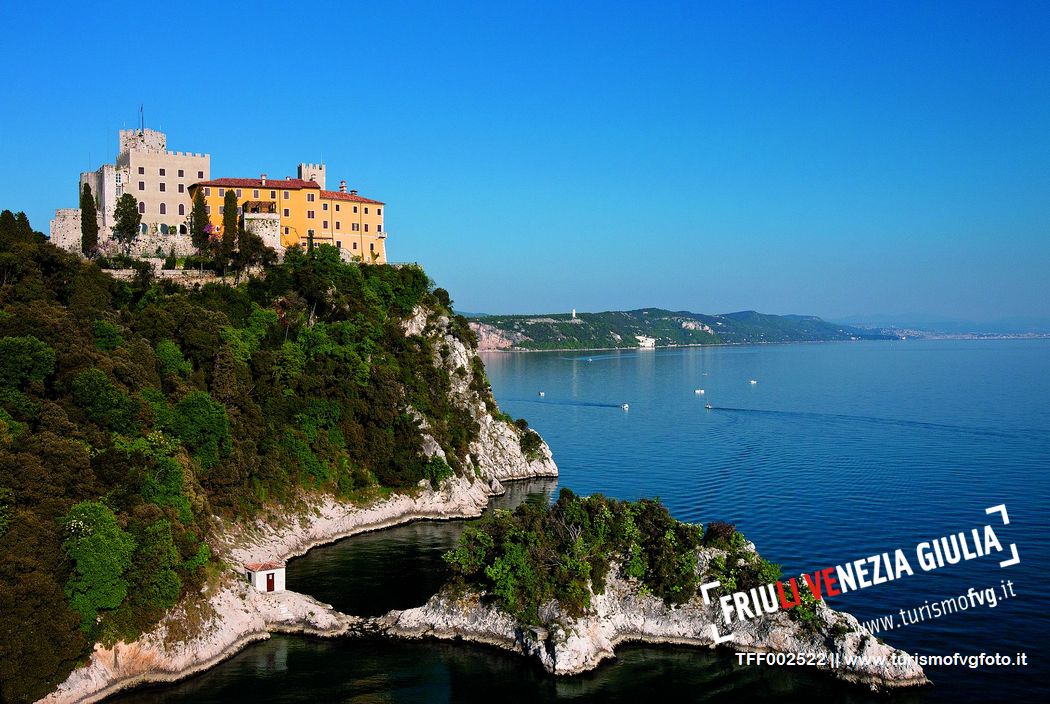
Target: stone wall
(65, 229)
(267, 226)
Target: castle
(283, 212)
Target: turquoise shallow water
(840, 451)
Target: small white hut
(265, 576)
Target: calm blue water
(840, 451)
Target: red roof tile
(276, 183)
(264, 566)
(339, 195)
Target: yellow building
(351, 223)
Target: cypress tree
(128, 218)
(88, 222)
(199, 223)
(230, 226)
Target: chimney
(262, 177)
(353, 192)
(342, 186)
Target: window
(182, 188)
(142, 185)
(200, 174)
(286, 212)
(208, 209)
(286, 230)
(355, 245)
(366, 210)
(338, 225)
(371, 246)
(119, 179)
(379, 228)
(286, 195)
(310, 214)
(338, 244)
(255, 193)
(354, 227)
(164, 229)
(144, 228)
(207, 191)
(142, 207)
(324, 207)
(182, 208)
(324, 224)
(310, 197)
(238, 193)
(163, 209)
(273, 195)
(222, 192)
(366, 227)
(162, 187)
(182, 228)
(181, 173)
(142, 169)
(222, 210)
(355, 208)
(162, 172)
(379, 211)
(337, 207)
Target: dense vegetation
(618, 329)
(564, 552)
(131, 413)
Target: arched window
(142, 207)
(163, 209)
(182, 208)
(182, 229)
(163, 229)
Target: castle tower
(312, 172)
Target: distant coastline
(935, 337)
(649, 328)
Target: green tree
(7, 500)
(24, 359)
(200, 225)
(88, 222)
(230, 228)
(203, 426)
(101, 552)
(128, 220)
(171, 359)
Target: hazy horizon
(838, 160)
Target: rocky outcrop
(492, 338)
(237, 615)
(624, 612)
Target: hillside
(139, 419)
(619, 329)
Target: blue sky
(828, 158)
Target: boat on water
(708, 406)
(626, 407)
(753, 381)
(698, 392)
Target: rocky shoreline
(625, 613)
(241, 615)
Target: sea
(820, 453)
